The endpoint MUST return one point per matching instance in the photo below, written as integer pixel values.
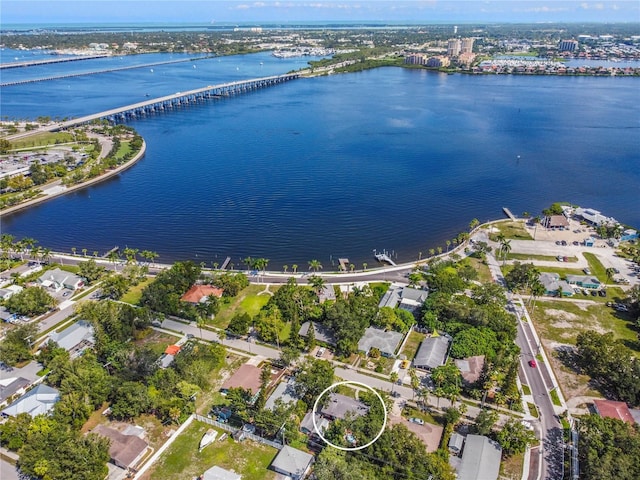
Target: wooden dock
(114, 249)
(508, 213)
(344, 264)
(225, 264)
(384, 258)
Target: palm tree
(432, 251)
(130, 254)
(113, 257)
(285, 268)
(536, 222)
(315, 265)
(352, 266)
(261, 264)
(214, 265)
(393, 378)
(505, 248)
(84, 252)
(200, 322)
(73, 250)
(439, 249)
(448, 242)
(364, 265)
(95, 253)
(610, 273)
(317, 283)
(419, 256)
(473, 224)
(248, 261)
(151, 256)
(46, 255)
(537, 290)
(294, 267)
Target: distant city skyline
(269, 11)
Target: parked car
(576, 243)
(615, 270)
(418, 421)
(563, 243)
(594, 293)
(320, 352)
(602, 292)
(405, 364)
(586, 271)
(532, 363)
(395, 394)
(566, 259)
(560, 258)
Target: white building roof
(218, 473)
(385, 341)
(480, 459)
(293, 461)
(72, 337)
(39, 400)
(432, 352)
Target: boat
(208, 438)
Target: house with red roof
(611, 409)
(200, 293)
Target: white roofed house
(292, 462)
(480, 459)
(432, 352)
(76, 338)
(37, 401)
(386, 342)
(57, 279)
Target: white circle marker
(348, 449)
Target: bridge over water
(108, 70)
(31, 63)
(167, 103)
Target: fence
(229, 428)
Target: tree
(315, 265)
(514, 437)
(294, 267)
(393, 378)
(30, 301)
(239, 324)
(13, 432)
(91, 270)
(505, 248)
(16, 345)
(317, 283)
(129, 400)
(314, 377)
(485, 421)
(114, 286)
(473, 224)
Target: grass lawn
(532, 409)
(125, 147)
(411, 347)
(410, 412)
(182, 459)
(484, 274)
(134, 294)
(247, 300)
(528, 256)
(514, 230)
(596, 267)
(555, 398)
(156, 341)
(211, 395)
(511, 467)
(526, 390)
(41, 139)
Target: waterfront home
(406, 298)
(292, 462)
(386, 342)
(201, 293)
(57, 279)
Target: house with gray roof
(37, 401)
(292, 462)
(126, 451)
(306, 425)
(432, 352)
(285, 391)
(323, 334)
(385, 341)
(551, 283)
(12, 386)
(57, 279)
(480, 459)
(401, 296)
(219, 473)
(76, 338)
(339, 406)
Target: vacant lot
(249, 300)
(411, 347)
(183, 461)
(514, 230)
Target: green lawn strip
(555, 398)
(532, 409)
(41, 139)
(284, 333)
(511, 230)
(413, 342)
(526, 390)
(125, 147)
(182, 459)
(484, 274)
(562, 322)
(247, 300)
(528, 256)
(69, 268)
(596, 267)
(410, 412)
(134, 294)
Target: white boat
(208, 438)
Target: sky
(54, 12)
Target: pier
(108, 70)
(508, 213)
(225, 264)
(344, 264)
(384, 258)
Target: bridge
(108, 70)
(33, 63)
(168, 102)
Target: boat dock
(225, 264)
(114, 249)
(508, 213)
(384, 258)
(344, 264)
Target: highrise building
(568, 45)
(467, 45)
(454, 47)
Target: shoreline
(100, 178)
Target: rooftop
(37, 401)
(292, 460)
(432, 352)
(218, 473)
(471, 368)
(71, 337)
(199, 293)
(323, 334)
(385, 341)
(285, 391)
(124, 449)
(612, 409)
(10, 386)
(480, 459)
(339, 405)
(247, 377)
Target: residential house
(470, 368)
(386, 342)
(12, 386)
(551, 283)
(125, 451)
(285, 391)
(306, 425)
(584, 281)
(401, 296)
(322, 334)
(247, 377)
(339, 406)
(169, 355)
(76, 338)
(432, 352)
(37, 401)
(480, 459)
(218, 473)
(7, 292)
(200, 294)
(612, 409)
(57, 279)
(292, 462)
(456, 441)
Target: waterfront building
(416, 59)
(568, 45)
(467, 45)
(454, 47)
(438, 62)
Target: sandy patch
(561, 314)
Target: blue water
(339, 165)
